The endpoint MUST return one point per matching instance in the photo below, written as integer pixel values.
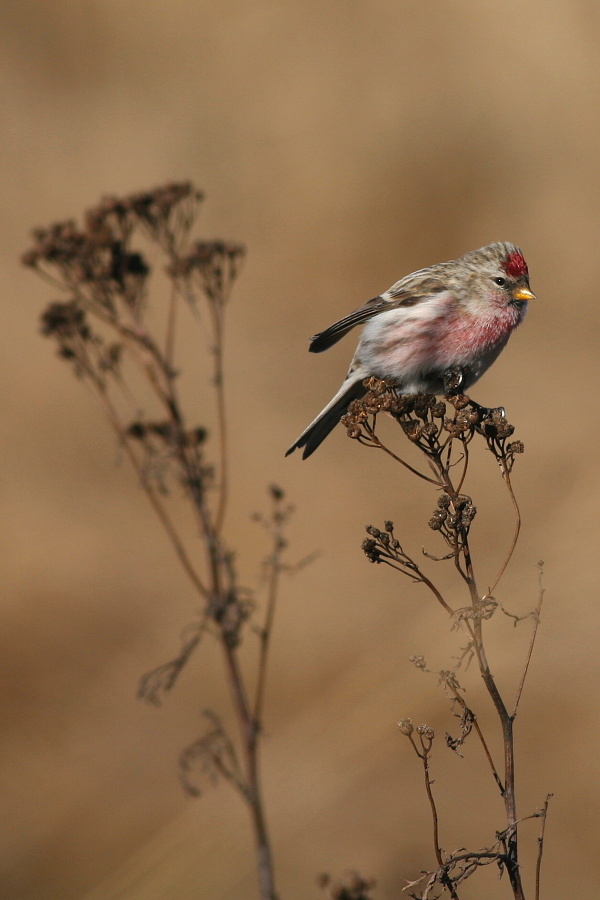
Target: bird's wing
(326, 339)
(398, 296)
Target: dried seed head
(423, 403)
(426, 732)
(437, 520)
(64, 320)
(458, 401)
(217, 264)
(376, 385)
(371, 551)
(413, 430)
(353, 431)
(460, 501)
(418, 661)
(197, 436)
(449, 678)
(406, 727)
(356, 414)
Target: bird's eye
(500, 281)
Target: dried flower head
(418, 661)
(215, 264)
(65, 321)
(426, 732)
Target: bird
(455, 316)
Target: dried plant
(104, 330)
(443, 432)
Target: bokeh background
(346, 144)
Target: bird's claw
(488, 412)
(453, 379)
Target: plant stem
(506, 720)
(266, 630)
(424, 757)
(538, 864)
(253, 793)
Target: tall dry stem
(443, 431)
(104, 330)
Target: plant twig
(538, 862)
(536, 624)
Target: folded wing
(326, 339)
(398, 296)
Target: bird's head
(497, 275)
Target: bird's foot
(453, 380)
(488, 412)
(489, 416)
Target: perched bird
(456, 316)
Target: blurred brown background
(346, 144)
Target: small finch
(454, 317)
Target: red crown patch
(515, 265)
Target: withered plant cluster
(108, 327)
(443, 431)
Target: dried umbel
(430, 424)
(65, 321)
(215, 264)
(406, 727)
(98, 264)
(166, 214)
(102, 270)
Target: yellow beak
(524, 294)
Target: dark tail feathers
(326, 421)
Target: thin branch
(171, 323)
(459, 486)
(267, 629)
(380, 446)
(426, 739)
(216, 309)
(437, 594)
(538, 864)
(536, 623)
(455, 693)
(515, 538)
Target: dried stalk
(103, 322)
(425, 423)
